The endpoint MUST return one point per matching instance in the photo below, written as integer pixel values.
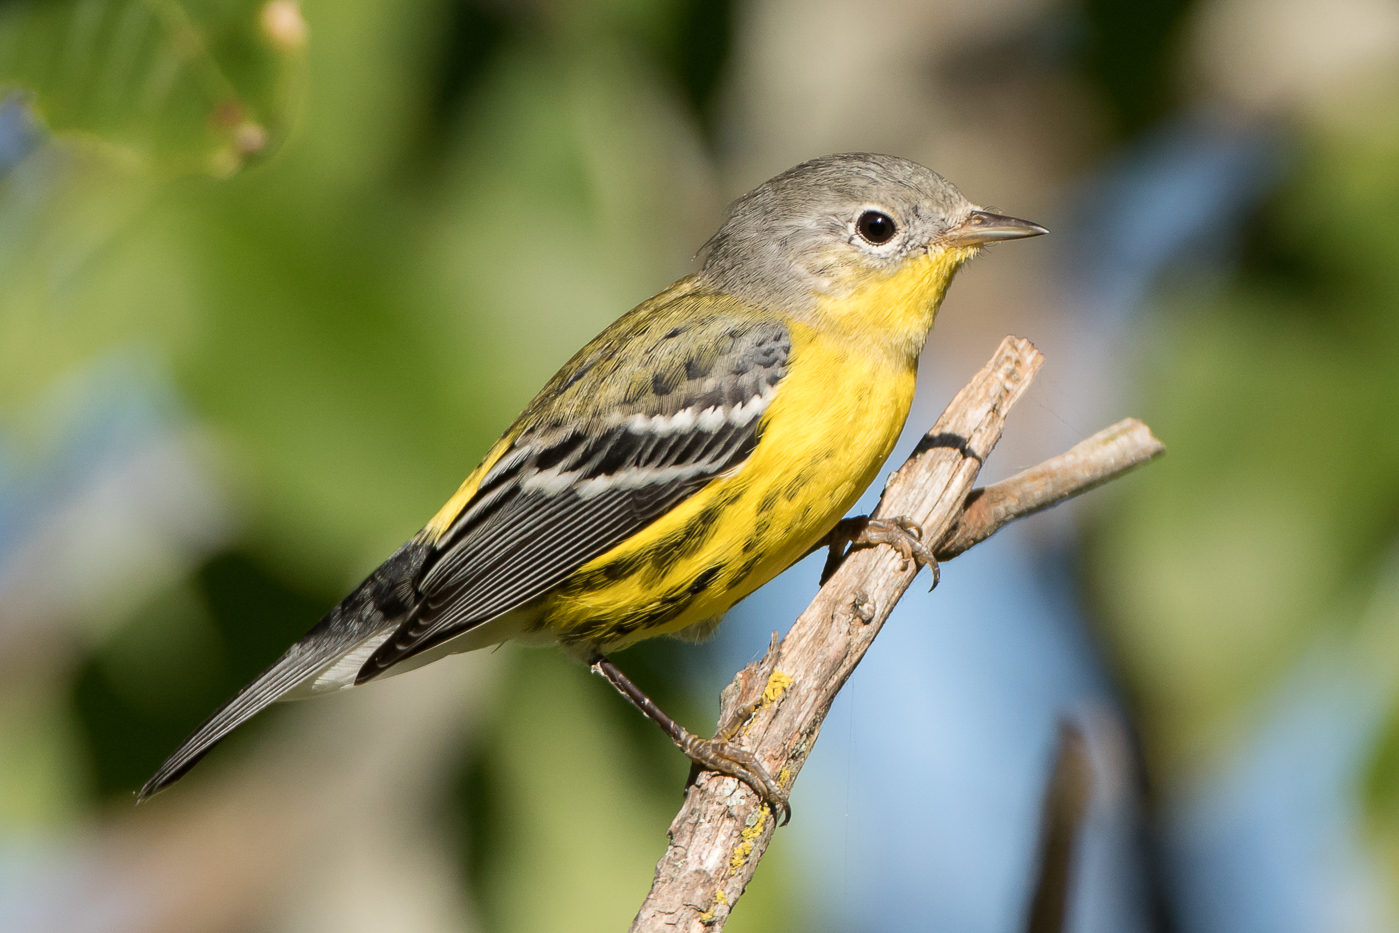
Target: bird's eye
(875, 227)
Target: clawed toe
(738, 762)
(900, 533)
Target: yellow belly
(833, 421)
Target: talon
(901, 533)
(738, 762)
(909, 525)
(916, 549)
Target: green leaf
(201, 86)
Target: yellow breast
(833, 421)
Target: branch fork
(775, 706)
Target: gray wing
(572, 489)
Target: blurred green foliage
(355, 237)
(1277, 510)
(184, 86)
(1129, 51)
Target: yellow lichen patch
(777, 685)
(720, 900)
(747, 835)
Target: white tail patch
(342, 672)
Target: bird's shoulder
(686, 347)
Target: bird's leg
(710, 754)
(900, 533)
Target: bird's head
(856, 240)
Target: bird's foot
(717, 754)
(734, 760)
(900, 533)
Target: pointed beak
(986, 227)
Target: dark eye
(875, 227)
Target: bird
(701, 444)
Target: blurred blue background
(273, 275)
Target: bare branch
(1106, 455)
(1062, 812)
(776, 706)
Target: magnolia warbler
(693, 450)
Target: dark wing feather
(572, 487)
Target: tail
(355, 627)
